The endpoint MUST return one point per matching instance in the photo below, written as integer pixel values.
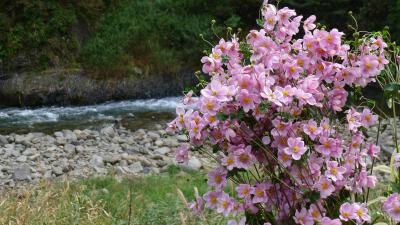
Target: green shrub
(161, 36)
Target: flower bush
(274, 114)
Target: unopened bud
(356, 34)
(229, 28)
(350, 13)
(201, 35)
(213, 21)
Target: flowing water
(133, 114)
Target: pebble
(28, 158)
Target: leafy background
(111, 38)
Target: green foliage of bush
(161, 36)
(36, 31)
(158, 36)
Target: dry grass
(139, 201)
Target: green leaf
(222, 116)
(225, 59)
(285, 115)
(260, 22)
(392, 90)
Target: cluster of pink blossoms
(271, 116)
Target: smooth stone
(163, 150)
(112, 159)
(29, 151)
(135, 167)
(171, 142)
(159, 143)
(152, 135)
(57, 171)
(194, 164)
(3, 140)
(108, 131)
(182, 138)
(22, 173)
(97, 161)
(69, 147)
(22, 158)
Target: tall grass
(140, 201)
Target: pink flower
(361, 212)
(303, 217)
(273, 97)
(392, 206)
(217, 178)
(367, 118)
(396, 163)
(309, 23)
(333, 171)
(311, 129)
(347, 212)
(287, 94)
(229, 161)
(315, 212)
(247, 100)
(225, 204)
(209, 105)
(197, 206)
(270, 19)
(284, 158)
(244, 158)
(353, 118)
(211, 63)
(328, 221)
(242, 221)
(325, 187)
(369, 65)
(327, 146)
(189, 99)
(373, 150)
(295, 148)
(244, 191)
(216, 90)
(259, 193)
(211, 199)
(182, 153)
(337, 98)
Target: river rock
(22, 158)
(108, 131)
(112, 159)
(69, 135)
(171, 142)
(97, 161)
(193, 164)
(69, 148)
(3, 140)
(30, 151)
(159, 143)
(57, 171)
(22, 173)
(182, 138)
(135, 167)
(153, 135)
(163, 150)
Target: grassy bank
(141, 201)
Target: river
(133, 114)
